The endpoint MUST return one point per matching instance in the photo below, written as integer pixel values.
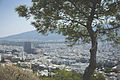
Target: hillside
(34, 35)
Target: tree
(86, 21)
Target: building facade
(27, 47)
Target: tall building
(27, 47)
(0, 57)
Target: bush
(69, 75)
(16, 73)
(98, 76)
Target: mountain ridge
(34, 35)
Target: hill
(16, 73)
(34, 36)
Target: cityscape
(48, 56)
(59, 39)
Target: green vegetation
(69, 75)
(108, 70)
(86, 21)
(16, 73)
(64, 75)
(98, 76)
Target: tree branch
(74, 21)
(80, 11)
(107, 29)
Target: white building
(0, 57)
(44, 73)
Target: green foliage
(79, 20)
(108, 70)
(98, 76)
(69, 75)
(23, 12)
(70, 17)
(64, 75)
(16, 73)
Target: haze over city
(59, 39)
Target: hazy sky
(10, 22)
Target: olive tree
(86, 21)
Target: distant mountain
(33, 36)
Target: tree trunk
(89, 71)
(92, 65)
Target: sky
(10, 22)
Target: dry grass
(16, 73)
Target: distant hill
(34, 36)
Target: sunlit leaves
(22, 11)
(66, 16)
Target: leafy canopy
(70, 17)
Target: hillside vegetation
(16, 73)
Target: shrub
(16, 73)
